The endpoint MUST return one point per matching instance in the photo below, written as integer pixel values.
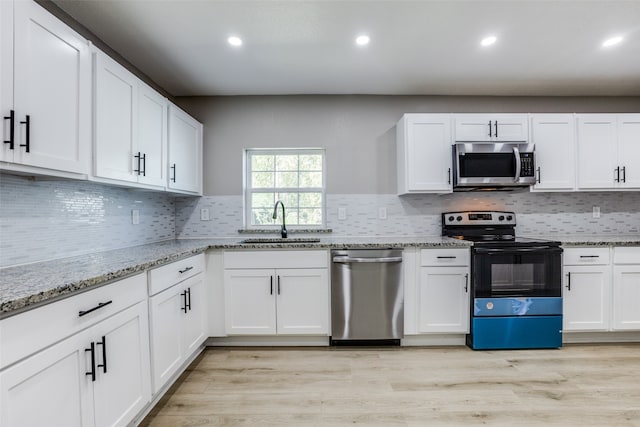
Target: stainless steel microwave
(493, 165)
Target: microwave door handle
(516, 154)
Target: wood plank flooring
(578, 385)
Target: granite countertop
(28, 286)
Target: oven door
(517, 272)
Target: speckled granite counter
(629, 240)
(28, 286)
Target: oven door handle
(516, 154)
(551, 249)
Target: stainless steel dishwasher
(367, 299)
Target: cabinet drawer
(626, 255)
(276, 259)
(31, 331)
(444, 257)
(586, 256)
(168, 275)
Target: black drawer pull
(447, 257)
(97, 307)
(185, 270)
(589, 256)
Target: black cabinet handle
(188, 302)
(174, 172)
(449, 175)
(539, 175)
(466, 282)
(496, 135)
(278, 285)
(568, 281)
(103, 343)
(137, 157)
(144, 164)
(446, 257)
(97, 307)
(589, 256)
(271, 286)
(617, 171)
(624, 174)
(184, 295)
(12, 129)
(27, 143)
(92, 349)
(185, 270)
(490, 128)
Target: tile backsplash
(419, 215)
(50, 219)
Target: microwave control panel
(527, 166)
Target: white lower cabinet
(178, 318)
(276, 301)
(601, 289)
(98, 376)
(443, 291)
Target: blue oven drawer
(537, 306)
(492, 333)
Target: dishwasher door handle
(347, 260)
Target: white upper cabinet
(491, 127)
(555, 150)
(424, 153)
(50, 117)
(185, 152)
(608, 151)
(130, 127)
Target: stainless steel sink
(281, 240)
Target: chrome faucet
(283, 230)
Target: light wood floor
(577, 385)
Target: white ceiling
(428, 47)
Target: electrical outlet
(204, 214)
(596, 211)
(382, 213)
(135, 216)
(342, 213)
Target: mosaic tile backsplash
(419, 215)
(43, 220)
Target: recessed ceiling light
(488, 41)
(235, 41)
(612, 41)
(362, 40)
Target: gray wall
(358, 132)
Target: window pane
(311, 179)
(262, 163)
(310, 162)
(290, 200)
(311, 216)
(287, 179)
(292, 217)
(310, 200)
(262, 216)
(262, 179)
(287, 162)
(263, 200)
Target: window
(295, 177)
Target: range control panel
(479, 218)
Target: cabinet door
(6, 77)
(115, 111)
(554, 139)
(49, 388)
(122, 387)
(629, 150)
(510, 127)
(250, 303)
(585, 298)
(425, 153)
(195, 319)
(443, 299)
(302, 301)
(52, 86)
(597, 150)
(152, 137)
(167, 311)
(185, 152)
(471, 127)
(626, 297)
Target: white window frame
(248, 152)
